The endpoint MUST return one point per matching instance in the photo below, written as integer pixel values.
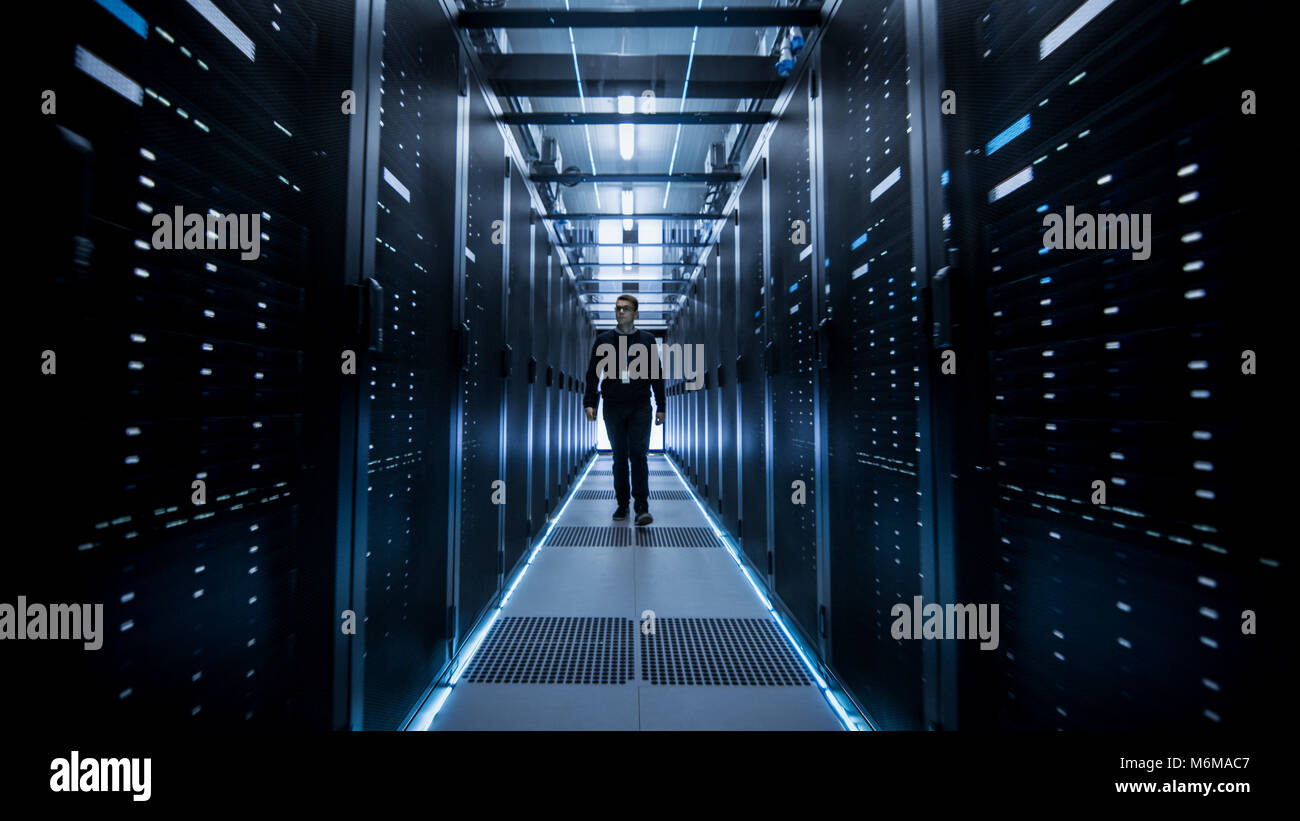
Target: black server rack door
(674, 417)
(687, 463)
(708, 404)
(579, 369)
(698, 414)
(668, 393)
(541, 420)
(483, 386)
(697, 397)
(713, 358)
(684, 330)
(574, 333)
(679, 336)
(670, 398)
(1114, 364)
(407, 385)
(519, 318)
(583, 347)
(878, 348)
(555, 329)
(561, 388)
(566, 390)
(571, 399)
(215, 362)
(570, 344)
(692, 451)
(729, 312)
(794, 343)
(674, 412)
(752, 377)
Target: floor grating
(624, 536)
(652, 473)
(662, 495)
(555, 650)
(718, 652)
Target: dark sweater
(637, 389)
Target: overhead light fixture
(629, 205)
(627, 256)
(627, 131)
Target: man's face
(625, 313)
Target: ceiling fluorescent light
(627, 140)
(626, 131)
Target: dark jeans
(628, 427)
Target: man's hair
(629, 298)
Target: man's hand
(591, 414)
(659, 417)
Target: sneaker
(621, 513)
(644, 518)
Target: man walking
(628, 360)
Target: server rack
(410, 236)
(168, 373)
(791, 378)
(729, 430)
(515, 357)
(750, 373)
(539, 415)
(706, 336)
(876, 356)
(1099, 367)
(555, 382)
(482, 392)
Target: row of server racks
(296, 482)
(907, 393)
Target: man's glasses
(621, 308)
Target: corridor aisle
(615, 627)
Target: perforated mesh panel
(675, 537)
(719, 652)
(552, 650)
(663, 495)
(653, 472)
(589, 537)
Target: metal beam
(584, 283)
(713, 76)
(608, 118)
(752, 17)
(708, 179)
(673, 216)
(633, 245)
(635, 265)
